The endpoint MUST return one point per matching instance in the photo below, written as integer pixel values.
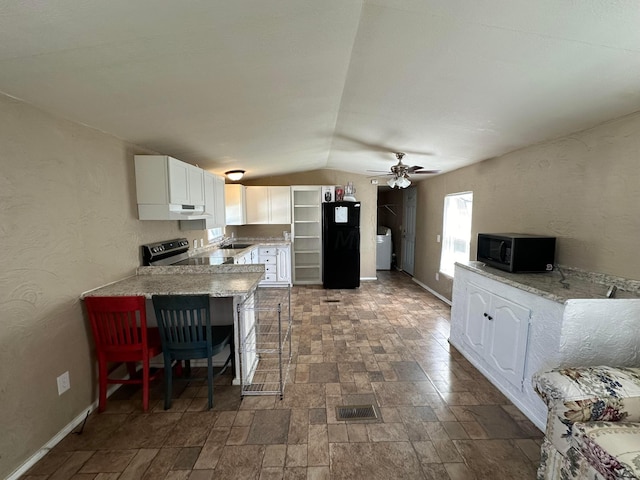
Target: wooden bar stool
(120, 333)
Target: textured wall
(583, 188)
(67, 224)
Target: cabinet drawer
(267, 259)
(267, 251)
(270, 277)
(270, 268)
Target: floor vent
(356, 412)
(332, 300)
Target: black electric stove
(176, 252)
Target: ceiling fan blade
(378, 171)
(414, 168)
(425, 171)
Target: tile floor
(384, 344)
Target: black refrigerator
(341, 245)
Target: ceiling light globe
(234, 175)
(391, 182)
(403, 182)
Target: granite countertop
(184, 282)
(562, 284)
(217, 252)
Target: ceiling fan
(400, 172)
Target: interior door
(409, 229)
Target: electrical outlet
(437, 277)
(195, 244)
(438, 238)
(64, 383)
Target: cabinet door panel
(280, 205)
(209, 194)
(235, 204)
(219, 204)
(284, 264)
(196, 186)
(508, 332)
(257, 205)
(178, 182)
(476, 321)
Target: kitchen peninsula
(511, 325)
(227, 285)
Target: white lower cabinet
(497, 330)
(244, 259)
(277, 264)
(283, 260)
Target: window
(456, 230)
(215, 234)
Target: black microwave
(517, 252)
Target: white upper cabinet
(257, 205)
(219, 210)
(168, 189)
(268, 205)
(235, 204)
(280, 205)
(186, 182)
(214, 206)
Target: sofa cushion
(587, 394)
(611, 448)
(587, 382)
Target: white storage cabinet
(277, 264)
(268, 205)
(497, 330)
(235, 204)
(161, 181)
(214, 205)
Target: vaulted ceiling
(289, 85)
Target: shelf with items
(265, 342)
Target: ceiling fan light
(392, 182)
(234, 175)
(403, 182)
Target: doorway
(410, 197)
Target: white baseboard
(33, 459)
(432, 292)
(367, 279)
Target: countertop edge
(562, 285)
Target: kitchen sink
(237, 246)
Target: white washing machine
(383, 249)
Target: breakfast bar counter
(212, 280)
(227, 286)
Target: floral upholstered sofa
(591, 428)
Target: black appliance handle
(503, 251)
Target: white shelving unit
(307, 234)
(265, 341)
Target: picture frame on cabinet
(328, 193)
